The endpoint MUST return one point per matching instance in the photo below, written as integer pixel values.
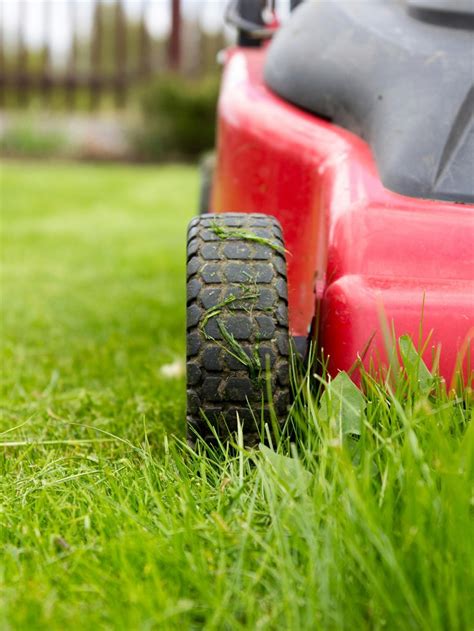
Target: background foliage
(179, 117)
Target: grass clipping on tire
(245, 235)
(232, 346)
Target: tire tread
(218, 385)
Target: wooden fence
(116, 55)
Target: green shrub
(179, 117)
(25, 140)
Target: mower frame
(364, 263)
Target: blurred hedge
(25, 139)
(179, 117)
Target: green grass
(108, 521)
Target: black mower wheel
(237, 325)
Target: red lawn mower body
(362, 260)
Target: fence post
(121, 55)
(95, 81)
(3, 71)
(45, 78)
(174, 45)
(71, 79)
(144, 52)
(22, 83)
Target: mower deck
(362, 259)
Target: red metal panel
(355, 248)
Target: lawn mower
(341, 205)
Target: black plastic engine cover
(399, 78)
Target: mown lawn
(107, 520)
